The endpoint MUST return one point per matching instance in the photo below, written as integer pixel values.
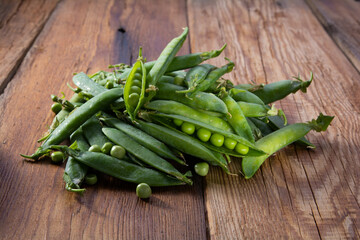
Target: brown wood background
(297, 194)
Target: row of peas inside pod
(139, 122)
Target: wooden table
(297, 194)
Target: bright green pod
(196, 75)
(173, 107)
(133, 94)
(245, 96)
(200, 100)
(281, 138)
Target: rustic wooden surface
(297, 194)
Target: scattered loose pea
(143, 190)
(118, 151)
(91, 179)
(57, 157)
(202, 168)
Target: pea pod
(93, 132)
(163, 62)
(172, 107)
(236, 118)
(134, 92)
(281, 138)
(183, 143)
(259, 110)
(144, 139)
(161, 117)
(196, 75)
(212, 77)
(278, 90)
(181, 62)
(143, 153)
(76, 119)
(75, 171)
(245, 96)
(120, 169)
(201, 100)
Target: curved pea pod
(276, 122)
(164, 119)
(245, 96)
(278, 90)
(281, 138)
(143, 138)
(181, 62)
(120, 169)
(236, 118)
(142, 153)
(134, 93)
(173, 107)
(201, 100)
(212, 77)
(183, 143)
(76, 119)
(195, 76)
(163, 62)
(260, 110)
(262, 126)
(75, 171)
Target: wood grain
(341, 20)
(86, 36)
(298, 193)
(20, 23)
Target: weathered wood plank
(299, 193)
(84, 36)
(341, 20)
(20, 23)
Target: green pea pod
(254, 129)
(134, 93)
(259, 110)
(236, 118)
(92, 130)
(172, 107)
(201, 100)
(196, 75)
(212, 77)
(161, 118)
(163, 62)
(183, 143)
(120, 169)
(181, 62)
(281, 138)
(276, 122)
(143, 138)
(262, 126)
(278, 90)
(76, 119)
(143, 153)
(75, 171)
(245, 96)
(249, 86)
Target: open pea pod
(164, 119)
(134, 90)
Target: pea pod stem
(281, 138)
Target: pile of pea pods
(140, 123)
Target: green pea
(143, 190)
(95, 148)
(138, 70)
(230, 143)
(118, 151)
(203, 134)
(54, 98)
(135, 89)
(138, 75)
(134, 99)
(202, 168)
(106, 148)
(109, 85)
(188, 128)
(56, 108)
(242, 149)
(91, 179)
(217, 140)
(136, 82)
(57, 157)
(178, 122)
